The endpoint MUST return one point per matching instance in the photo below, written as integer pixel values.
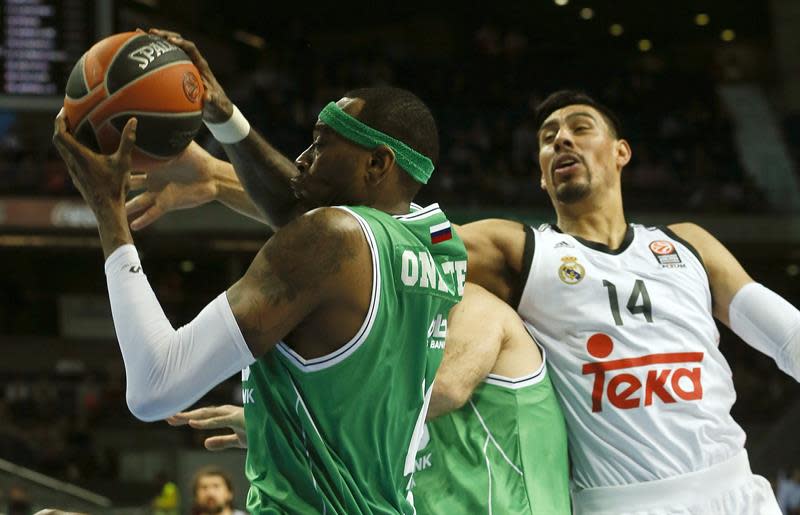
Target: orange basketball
(135, 74)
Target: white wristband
(233, 130)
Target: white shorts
(728, 488)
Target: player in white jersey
(626, 314)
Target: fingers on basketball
(164, 33)
(127, 142)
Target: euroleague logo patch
(665, 253)
(571, 272)
(191, 88)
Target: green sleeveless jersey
(338, 434)
(504, 452)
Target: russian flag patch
(441, 232)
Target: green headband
(418, 166)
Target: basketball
(135, 74)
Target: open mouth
(565, 163)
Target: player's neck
(602, 222)
(391, 204)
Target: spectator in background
(18, 501)
(788, 492)
(213, 493)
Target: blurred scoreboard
(40, 41)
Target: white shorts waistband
(687, 489)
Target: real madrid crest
(570, 271)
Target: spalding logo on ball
(135, 74)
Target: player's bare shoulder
(316, 261)
(322, 247)
(710, 249)
(495, 248)
(725, 274)
(692, 233)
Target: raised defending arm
(759, 316)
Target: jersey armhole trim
(343, 352)
(527, 263)
(669, 232)
(516, 383)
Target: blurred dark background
(709, 97)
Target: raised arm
(314, 260)
(756, 314)
(264, 172)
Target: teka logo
(665, 376)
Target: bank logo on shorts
(639, 382)
(570, 271)
(665, 252)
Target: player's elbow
(450, 395)
(145, 407)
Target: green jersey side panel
(505, 451)
(337, 434)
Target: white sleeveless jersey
(633, 353)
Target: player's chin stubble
(571, 193)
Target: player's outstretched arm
(192, 179)
(317, 258)
(756, 314)
(264, 172)
(216, 417)
(495, 250)
(313, 262)
(483, 335)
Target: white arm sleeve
(768, 323)
(168, 370)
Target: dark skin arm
(309, 279)
(102, 181)
(264, 172)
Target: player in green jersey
(338, 323)
(497, 442)
(529, 387)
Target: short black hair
(568, 97)
(401, 115)
(211, 471)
